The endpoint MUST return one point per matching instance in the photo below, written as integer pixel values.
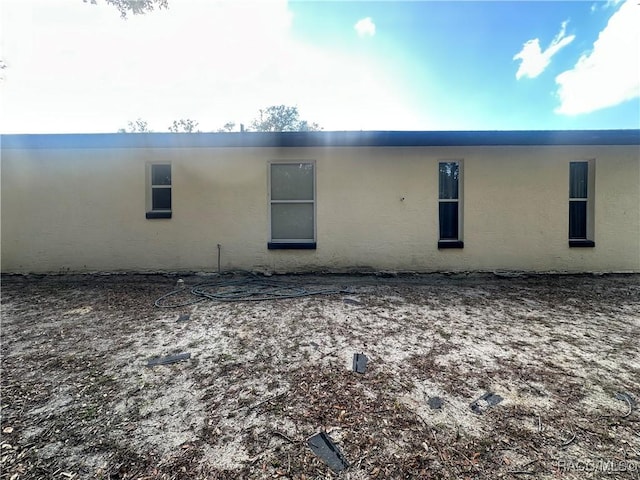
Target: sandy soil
(78, 400)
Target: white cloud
(604, 5)
(76, 67)
(365, 27)
(534, 60)
(610, 73)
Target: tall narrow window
(159, 192)
(292, 205)
(580, 204)
(450, 214)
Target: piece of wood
(322, 445)
(168, 359)
(360, 362)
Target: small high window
(581, 204)
(159, 191)
(449, 204)
(292, 195)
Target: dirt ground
(79, 401)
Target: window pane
(578, 176)
(578, 219)
(292, 221)
(161, 198)
(292, 181)
(160, 174)
(449, 172)
(448, 220)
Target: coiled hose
(246, 289)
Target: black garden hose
(246, 289)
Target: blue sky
(75, 67)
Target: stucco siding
(376, 207)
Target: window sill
(291, 245)
(151, 215)
(450, 244)
(582, 243)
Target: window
(292, 205)
(581, 204)
(159, 191)
(449, 204)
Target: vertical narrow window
(449, 205)
(159, 191)
(581, 204)
(292, 205)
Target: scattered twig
(569, 442)
(266, 400)
(379, 412)
(588, 430)
(471, 463)
(360, 460)
(435, 439)
(329, 353)
(424, 422)
(442, 457)
(539, 424)
(282, 435)
(521, 470)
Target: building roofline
(321, 139)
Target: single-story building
(308, 201)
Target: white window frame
(151, 187)
(284, 242)
(459, 200)
(590, 200)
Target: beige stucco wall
(84, 210)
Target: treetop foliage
(276, 118)
(227, 127)
(281, 118)
(135, 7)
(138, 126)
(184, 125)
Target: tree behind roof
(281, 118)
(135, 7)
